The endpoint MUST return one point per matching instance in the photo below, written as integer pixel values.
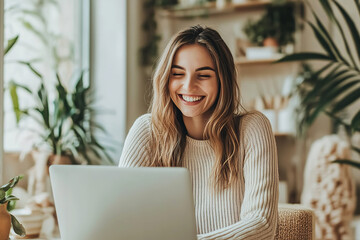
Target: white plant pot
(286, 122)
(260, 52)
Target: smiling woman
(193, 87)
(196, 122)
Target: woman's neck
(195, 127)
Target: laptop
(107, 202)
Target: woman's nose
(189, 82)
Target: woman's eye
(204, 76)
(177, 74)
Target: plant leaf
(353, 30)
(322, 40)
(15, 101)
(11, 183)
(31, 68)
(18, 227)
(304, 56)
(2, 194)
(355, 122)
(344, 38)
(329, 39)
(325, 100)
(11, 42)
(347, 100)
(10, 198)
(355, 149)
(348, 162)
(327, 7)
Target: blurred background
(76, 75)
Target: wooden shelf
(245, 61)
(211, 9)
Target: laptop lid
(103, 202)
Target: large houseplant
(336, 86)
(64, 124)
(7, 219)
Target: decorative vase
(5, 222)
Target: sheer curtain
(1, 88)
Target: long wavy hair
(168, 132)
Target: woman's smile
(191, 99)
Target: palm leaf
(355, 122)
(321, 70)
(348, 162)
(355, 149)
(357, 3)
(329, 39)
(327, 7)
(326, 100)
(340, 28)
(320, 83)
(353, 30)
(322, 40)
(304, 56)
(347, 100)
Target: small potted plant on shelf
(272, 32)
(62, 126)
(6, 219)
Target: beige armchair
(296, 222)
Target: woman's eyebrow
(198, 69)
(177, 66)
(205, 68)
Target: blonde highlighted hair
(168, 132)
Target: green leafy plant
(336, 86)
(6, 197)
(278, 22)
(66, 126)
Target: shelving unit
(244, 61)
(211, 9)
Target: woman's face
(193, 84)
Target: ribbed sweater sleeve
(136, 147)
(258, 217)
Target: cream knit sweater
(248, 209)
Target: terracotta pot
(5, 222)
(270, 42)
(58, 160)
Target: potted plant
(334, 87)
(6, 219)
(64, 125)
(275, 28)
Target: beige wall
(137, 81)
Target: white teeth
(191, 99)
